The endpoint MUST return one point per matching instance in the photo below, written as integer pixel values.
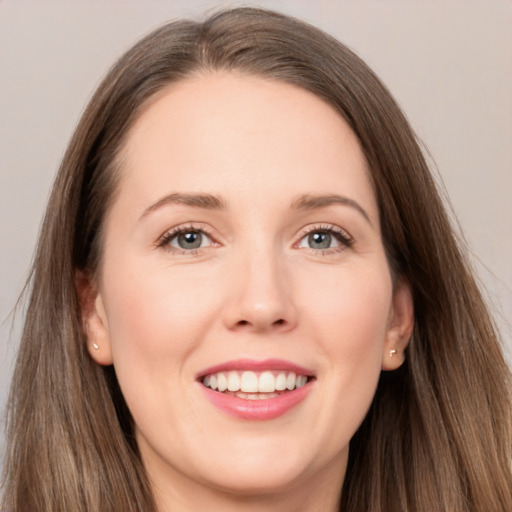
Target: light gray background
(449, 64)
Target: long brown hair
(438, 434)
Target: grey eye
(189, 240)
(319, 240)
(325, 239)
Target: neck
(319, 492)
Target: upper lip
(256, 366)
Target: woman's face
(243, 249)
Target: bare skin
(245, 227)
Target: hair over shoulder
(438, 435)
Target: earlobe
(94, 319)
(401, 324)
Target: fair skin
(245, 227)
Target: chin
(260, 469)
(248, 480)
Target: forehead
(225, 132)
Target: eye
(326, 238)
(186, 239)
(320, 240)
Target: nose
(261, 295)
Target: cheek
(350, 320)
(353, 303)
(156, 315)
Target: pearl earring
(392, 352)
(95, 346)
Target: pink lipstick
(256, 390)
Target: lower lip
(257, 409)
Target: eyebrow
(205, 201)
(212, 202)
(313, 202)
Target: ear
(400, 326)
(94, 318)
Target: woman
(242, 235)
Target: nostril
(281, 321)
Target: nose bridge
(262, 296)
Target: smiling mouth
(251, 385)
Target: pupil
(320, 240)
(190, 240)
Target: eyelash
(345, 240)
(165, 241)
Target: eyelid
(341, 235)
(170, 234)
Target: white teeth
(222, 383)
(255, 396)
(233, 381)
(267, 383)
(301, 381)
(281, 381)
(250, 384)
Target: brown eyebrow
(211, 202)
(312, 202)
(206, 201)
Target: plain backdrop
(448, 63)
